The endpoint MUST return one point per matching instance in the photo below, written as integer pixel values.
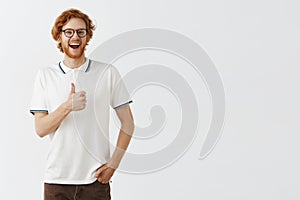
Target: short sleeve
(38, 100)
(120, 96)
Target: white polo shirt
(80, 145)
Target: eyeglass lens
(70, 32)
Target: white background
(255, 46)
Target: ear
(59, 38)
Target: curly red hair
(64, 18)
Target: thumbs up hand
(76, 100)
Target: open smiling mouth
(74, 46)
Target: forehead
(75, 23)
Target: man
(70, 103)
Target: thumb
(72, 88)
(100, 170)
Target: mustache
(75, 41)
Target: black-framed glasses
(82, 32)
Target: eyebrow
(73, 28)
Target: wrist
(67, 108)
(113, 164)
(116, 158)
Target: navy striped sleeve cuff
(34, 111)
(124, 104)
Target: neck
(74, 62)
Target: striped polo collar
(84, 67)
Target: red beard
(70, 52)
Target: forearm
(122, 144)
(125, 134)
(50, 122)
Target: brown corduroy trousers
(93, 191)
